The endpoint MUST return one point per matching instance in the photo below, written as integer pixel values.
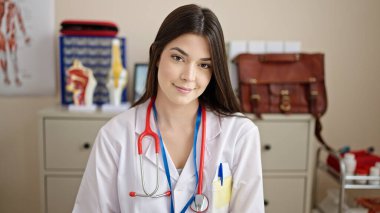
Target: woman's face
(184, 69)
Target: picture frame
(28, 67)
(140, 76)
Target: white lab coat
(113, 168)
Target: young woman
(206, 155)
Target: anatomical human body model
(117, 79)
(10, 14)
(81, 82)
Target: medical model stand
(117, 81)
(81, 82)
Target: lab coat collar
(213, 129)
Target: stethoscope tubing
(142, 178)
(202, 154)
(148, 132)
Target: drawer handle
(267, 147)
(86, 145)
(266, 202)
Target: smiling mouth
(183, 89)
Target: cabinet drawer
(65, 142)
(284, 194)
(284, 145)
(61, 193)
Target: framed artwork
(27, 47)
(140, 75)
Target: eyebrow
(185, 54)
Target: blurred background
(346, 31)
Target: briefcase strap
(313, 110)
(255, 99)
(318, 135)
(313, 94)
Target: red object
(148, 132)
(201, 162)
(360, 171)
(88, 28)
(77, 79)
(364, 161)
(372, 204)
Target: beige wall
(347, 31)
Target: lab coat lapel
(188, 172)
(213, 129)
(149, 152)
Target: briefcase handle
(279, 58)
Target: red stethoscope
(199, 202)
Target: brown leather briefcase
(283, 83)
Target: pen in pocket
(220, 173)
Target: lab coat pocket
(222, 191)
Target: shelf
(346, 182)
(348, 179)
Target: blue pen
(220, 173)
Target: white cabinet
(65, 141)
(284, 194)
(61, 192)
(287, 156)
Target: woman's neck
(171, 116)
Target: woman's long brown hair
(218, 96)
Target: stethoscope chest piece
(200, 203)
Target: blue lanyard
(165, 160)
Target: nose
(189, 73)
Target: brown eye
(177, 58)
(205, 66)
